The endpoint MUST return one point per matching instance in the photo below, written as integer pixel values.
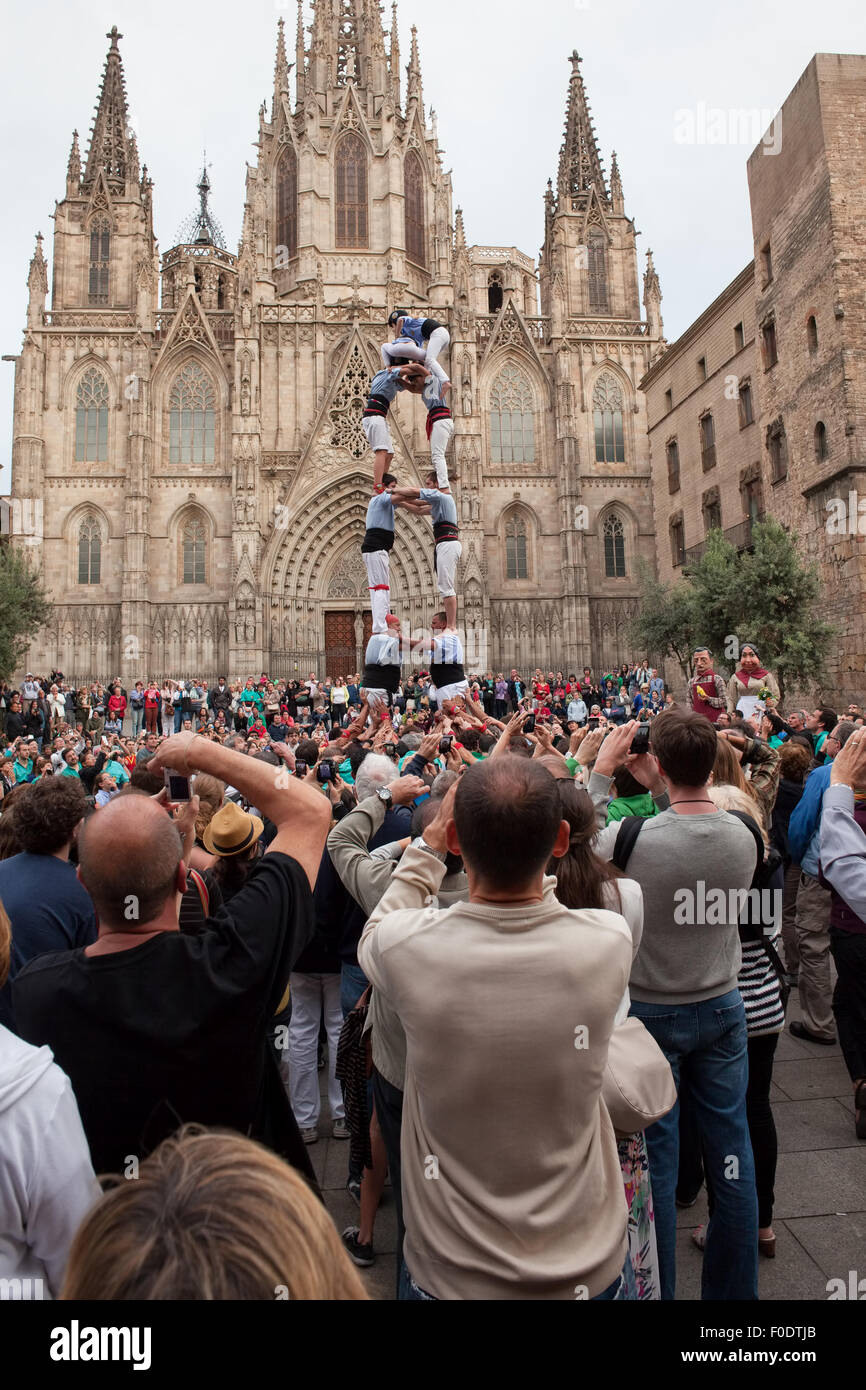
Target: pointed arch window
(607, 414)
(193, 542)
(516, 547)
(192, 416)
(89, 551)
(512, 417)
(614, 547)
(100, 256)
(287, 204)
(91, 418)
(597, 265)
(416, 230)
(351, 184)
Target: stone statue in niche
(246, 390)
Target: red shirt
(152, 697)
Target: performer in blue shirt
(383, 392)
(420, 340)
(432, 501)
(382, 659)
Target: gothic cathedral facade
(190, 425)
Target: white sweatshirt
(47, 1183)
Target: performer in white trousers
(383, 392)
(376, 551)
(420, 340)
(440, 430)
(381, 679)
(446, 667)
(432, 501)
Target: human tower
(410, 363)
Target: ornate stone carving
(348, 405)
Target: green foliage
(24, 607)
(767, 596)
(667, 621)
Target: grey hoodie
(47, 1183)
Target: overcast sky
(495, 70)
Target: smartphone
(641, 742)
(178, 785)
(391, 751)
(301, 768)
(325, 772)
(529, 724)
(446, 743)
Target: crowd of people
(540, 932)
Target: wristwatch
(421, 843)
(384, 795)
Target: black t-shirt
(177, 1029)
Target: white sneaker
(310, 1136)
(341, 1130)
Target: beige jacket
(511, 1180)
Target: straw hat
(231, 831)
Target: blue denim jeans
(178, 719)
(353, 982)
(622, 1290)
(706, 1045)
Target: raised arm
(300, 813)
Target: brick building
(760, 406)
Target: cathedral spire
(300, 55)
(415, 88)
(459, 231)
(579, 160)
(109, 149)
(616, 198)
(281, 68)
(394, 57)
(652, 298)
(73, 169)
(37, 284)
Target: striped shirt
(759, 985)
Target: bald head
(128, 857)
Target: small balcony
(740, 537)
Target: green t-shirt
(624, 806)
(251, 697)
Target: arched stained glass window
(89, 551)
(287, 204)
(100, 255)
(607, 406)
(194, 550)
(516, 548)
(512, 417)
(192, 417)
(416, 230)
(614, 547)
(351, 188)
(91, 418)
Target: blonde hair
(5, 945)
(728, 772)
(210, 792)
(211, 1216)
(729, 798)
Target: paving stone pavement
(820, 1219)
